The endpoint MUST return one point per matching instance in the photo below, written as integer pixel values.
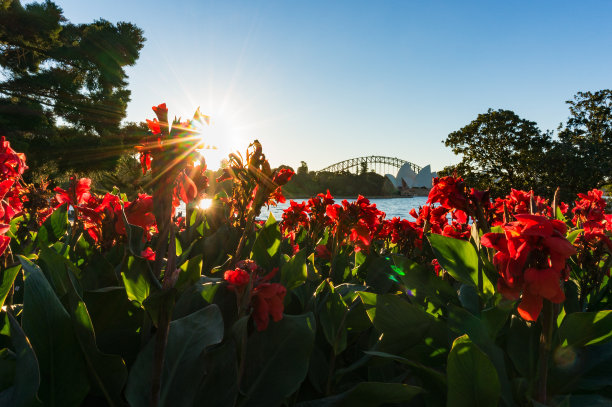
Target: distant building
(410, 183)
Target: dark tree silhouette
(63, 88)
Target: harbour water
(393, 207)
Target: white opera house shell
(407, 178)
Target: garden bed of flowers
(470, 302)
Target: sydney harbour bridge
(379, 164)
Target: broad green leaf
(27, 376)
(368, 394)
(422, 283)
(47, 324)
(468, 296)
(432, 376)
(190, 273)
(54, 228)
(6, 282)
(294, 272)
(220, 385)
(522, 347)
(117, 321)
(463, 322)
(137, 279)
(472, 378)
(277, 360)
(108, 373)
(585, 328)
(55, 268)
(495, 318)
(460, 259)
(405, 326)
(135, 236)
(266, 245)
(581, 370)
(8, 364)
(98, 273)
(332, 312)
(187, 340)
(377, 273)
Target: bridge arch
(376, 163)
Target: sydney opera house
(406, 179)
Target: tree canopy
(63, 86)
(582, 158)
(500, 150)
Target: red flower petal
(530, 306)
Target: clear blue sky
(322, 81)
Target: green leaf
(108, 373)
(266, 245)
(8, 278)
(55, 268)
(135, 236)
(573, 235)
(332, 315)
(462, 322)
(579, 370)
(495, 318)
(422, 283)
(54, 228)
(585, 328)
(48, 326)
(431, 376)
(187, 341)
(137, 279)
(294, 272)
(559, 215)
(27, 376)
(277, 360)
(468, 296)
(190, 273)
(405, 326)
(460, 259)
(472, 378)
(368, 394)
(220, 385)
(117, 322)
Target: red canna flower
(589, 207)
(264, 298)
(148, 254)
(12, 164)
(449, 192)
(323, 252)
(295, 217)
(519, 202)
(77, 194)
(531, 259)
(238, 277)
(267, 300)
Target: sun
(224, 136)
(205, 203)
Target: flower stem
(245, 233)
(163, 322)
(548, 316)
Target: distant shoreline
(367, 197)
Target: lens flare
(205, 203)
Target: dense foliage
(110, 301)
(305, 184)
(499, 150)
(63, 86)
